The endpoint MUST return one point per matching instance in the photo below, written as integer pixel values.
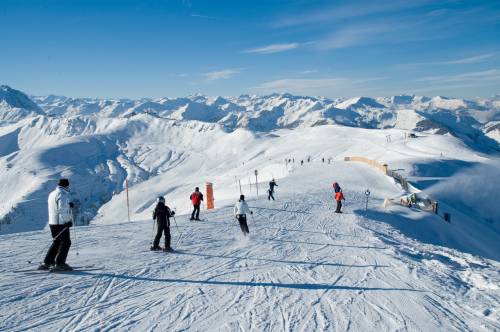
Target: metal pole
(153, 232)
(257, 182)
(367, 195)
(128, 205)
(239, 182)
(74, 232)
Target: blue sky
(156, 48)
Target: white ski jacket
(59, 210)
(241, 207)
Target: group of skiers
(60, 212)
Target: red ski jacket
(196, 198)
(339, 196)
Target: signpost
(367, 195)
(257, 182)
(128, 204)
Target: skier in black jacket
(162, 214)
(270, 192)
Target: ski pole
(45, 248)
(76, 242)
(175, 222)
(153, 231)
(74, 232)
(180, 236)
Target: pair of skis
(83, 268)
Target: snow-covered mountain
(99, 143)
(15, 105)
(470, 120)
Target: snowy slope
(171, 145)
(302, 268)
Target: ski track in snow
(306, 270)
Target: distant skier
(323, 159)
(60, 220)
(270, 192)
(301, 163)
(161, 215)
(339, 197)
(196, 198)
(240, 212)
(309, 159)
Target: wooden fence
(429, 204)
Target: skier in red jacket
(196, 198)
(339, 197)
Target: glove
(172, 213)
(69, 224)
(71, 204)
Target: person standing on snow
(60, 220)
(240, 212)
(339, 197)
(270, 192)
(161, 215)
(196, 198)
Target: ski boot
(44, 267)
(168, 249)
(155, 248)
(61, 267)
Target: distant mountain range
(476, 121)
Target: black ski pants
(196, 210)
(270, 194)
(339, 206)
(163, 227)
(242, 219)
(58, 251)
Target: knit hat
(63, 183)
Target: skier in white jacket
(60, 220)
(240, 212)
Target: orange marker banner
(210, 196)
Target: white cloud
(273, 48)
(352, 36)
(478, 76)
(221, 74)
(353, 10)
(461, 61)
(308, 72)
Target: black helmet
(242, 197)
(161, 199)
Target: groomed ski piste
(303, 267)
